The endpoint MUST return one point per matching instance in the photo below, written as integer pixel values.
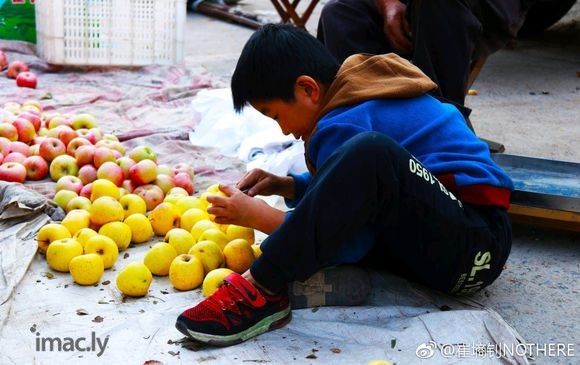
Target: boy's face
(299, 116)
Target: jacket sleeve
(300, 184)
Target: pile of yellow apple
(194, 251)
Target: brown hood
(364, 77)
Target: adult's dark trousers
(421, 231)
(447, 35)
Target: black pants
(420, 230)
(447, 35)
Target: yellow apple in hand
(209, 253)
(86, 269)
(159, 258)
(164, 218)
(141, 230)
(238, 255)
(134, 280)
(105, 247)
(119, 232)
(186, 272)
(106, 209)
(83, 235)
(216, 235)
(246, 233)
(213, 280)
(50, 233)
(61, 252)
(180, 239)
(76, 220)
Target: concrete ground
(528, 99)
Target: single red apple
(26, 79)
(3, 60)
(36, 168)
(16, 67)
(12, 171)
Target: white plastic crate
(110, 32)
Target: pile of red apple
(74, 152)
(18, 70)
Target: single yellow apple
(186, 272)
(257, 250)
(178, 191)
(133, 203)
(84, 234)
(50, 233)
(188, 202)
(119, 232)
(61, 252)
(141, 230)
(200, 226)
(239, 255)
(86, 269)
(76, 220)
(106, 209)
(246, 233)
(213, 280)
(180, 239)
(209, 253)
(104, 187)
(105, 247)
(191, 216)
(214, 234)
(134, 280)
(164, 217)
(159, 258)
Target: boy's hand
(260, 182)
(243, 210)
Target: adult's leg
(371, 180)
(445, 34)
(347, 27)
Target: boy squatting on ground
(394, 174)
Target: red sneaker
(237, 311)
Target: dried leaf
(311, 356)
(82, 312)
(48, 275)
(335, 350)
(153, 362)
(106, 282)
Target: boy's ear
(306, 86)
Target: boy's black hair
(271, 61)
